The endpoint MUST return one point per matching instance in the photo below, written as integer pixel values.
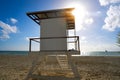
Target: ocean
(95, 53)
(101, 53)
(13, 52)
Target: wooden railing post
(78, 43)
(30, 46)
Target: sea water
(13, 52)
(101, 53)
(95, 53)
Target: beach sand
(16, 67)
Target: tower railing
(73, 43)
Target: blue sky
(97, 29)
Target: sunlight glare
(80, 13)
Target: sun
(80, 13)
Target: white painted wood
(55, 27)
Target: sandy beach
(16, 67)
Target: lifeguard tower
(55, 46)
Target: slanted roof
(59, 13)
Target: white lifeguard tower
(55, 42)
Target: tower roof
(59, 13)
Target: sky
(97, 24)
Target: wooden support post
(73, 67)
(34, 64)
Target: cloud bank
(81, 24)
(6, 29)
(112, 21)
(107, 2)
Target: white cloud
(112, 21)
(13, 20)
(81, 24)
(27, 38)
(98, 12)
(95, 14)
(83, 18)
(89, 21)
(107, 2)
(83, 40)
(6, 30)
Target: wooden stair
(66, 65)
(63, 62)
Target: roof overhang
(59, 13)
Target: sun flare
(80, 13)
